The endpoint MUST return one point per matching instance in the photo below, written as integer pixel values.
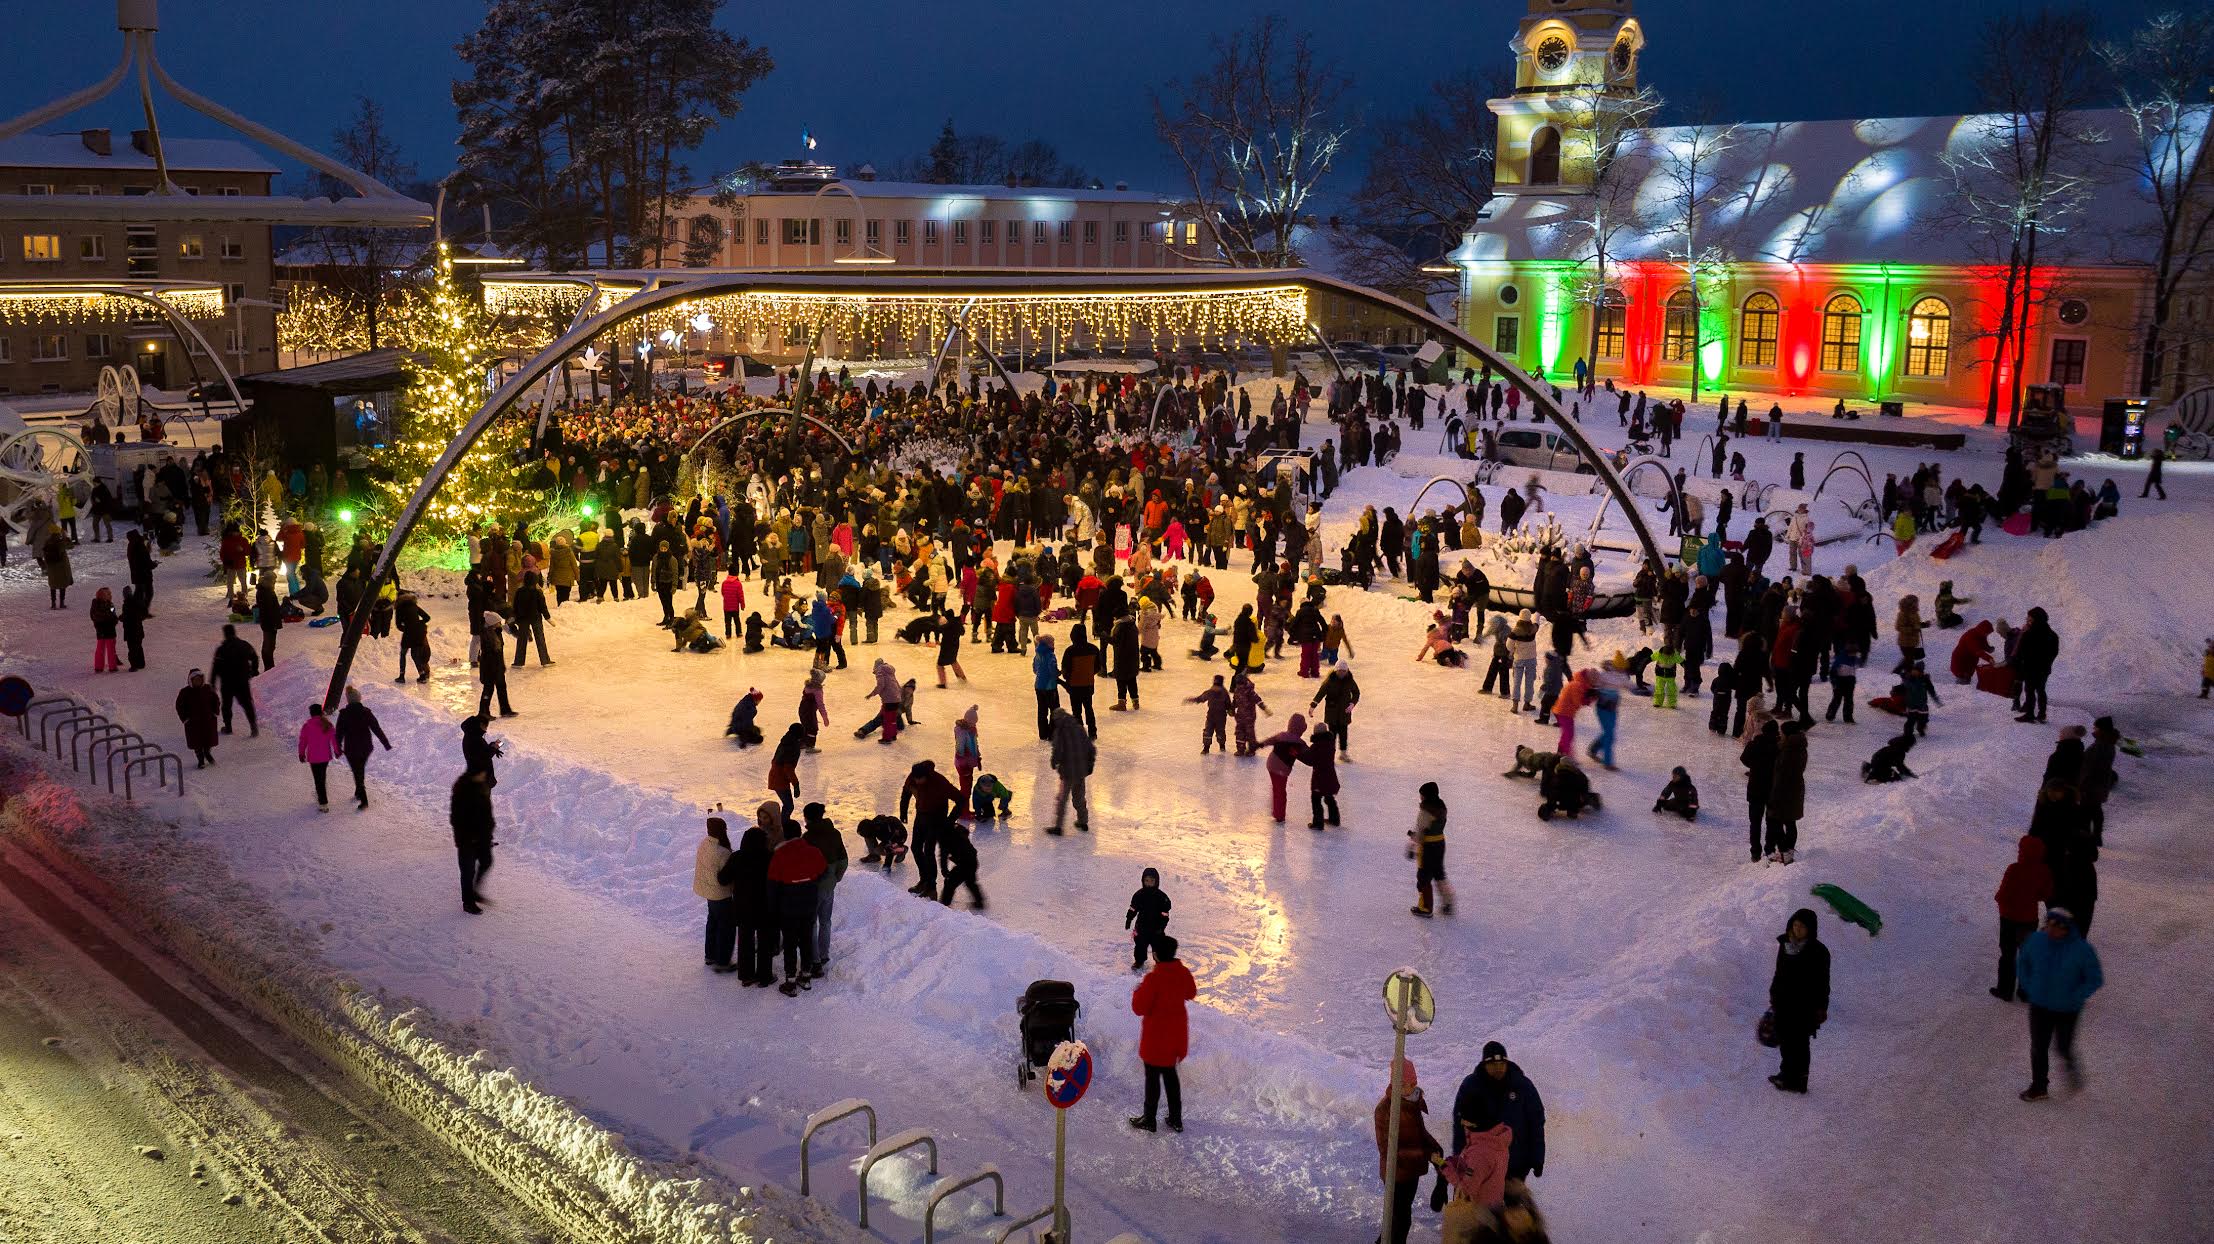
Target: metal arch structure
(585, 308)
(1435, 480)
(676, 286)
(1675, 496)
(186, 333)
(763, 413)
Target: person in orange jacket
(1418, 1153)
(1164, 1033)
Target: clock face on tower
(1552, 54)
(1622, 55)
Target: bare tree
(1604, 218)
(1429, 175)
(1688, 172)
(360, 258)
(2026, 177)
(1256, 132)
(2164, 71)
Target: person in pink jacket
(318, 743)
(1477, 1177)
(1284, 751)
(734, 605)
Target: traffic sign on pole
(1411, 1008)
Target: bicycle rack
(949, 1187)
(75, 725)
(1008, 1233)
(23, 723)
(825, 1117)
(104, 731)
(894, 1144)
(157, 758)
(72, 712)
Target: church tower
(1575, 75)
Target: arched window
(1841, 334)
(1545, 157)
(1614, 321)
(1929, 337)
(1676, 328)
(1756, 331)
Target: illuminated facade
(1823, 258)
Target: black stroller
(1047, 1012)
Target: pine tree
(445, 388)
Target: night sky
(874, 81)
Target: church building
(1827, 259)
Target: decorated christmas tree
(446, 386)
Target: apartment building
(52, 355)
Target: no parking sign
(1068, 1074)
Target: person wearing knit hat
(1497, 1092)
(1418, 1153)
(2058, 973)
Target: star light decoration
(66, 304)
(446, 386)
(1269, 314)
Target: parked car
(1541, 451)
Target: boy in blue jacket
(2058, 972)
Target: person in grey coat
(1073, 756)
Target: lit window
(190, 247)
(92, 246)
(2069, 357)
(49, 348)
(42, 247)
(1929, 337)
(1191, 233)
(1841, 334)
(1614, 319)
(1676, 328)
(1756, 331)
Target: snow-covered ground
(1622, 959)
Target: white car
(1541, 450)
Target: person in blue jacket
(2058, 973)
(1498, 1092)
(1047, 668)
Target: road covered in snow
(1623, 959)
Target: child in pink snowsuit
(1174, 538)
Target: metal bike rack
(74, 724)
(1008, 1233)
(948, 1188)
(58, 717)
(23, 723)
(106, 730)
(157, 758)
(894, 1144)
(825, 1117)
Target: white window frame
(960, 233)
(40, 355)
(99, 346)
(86, 190)
(872, 232)
(191, 246)
(233, 249)
(38, 187)
(92, 247)
(930, 232)
(903, 232)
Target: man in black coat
(414, 624)
(530, 619)
(471, 816)
(1798, 996)
(357, 727)
(235, 664)
(1498, 1092)
(2034, 655)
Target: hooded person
(1284, 751)
(968, 756)
(709, 861)
(1418, 1152)
(1499, 1092)
(1148, 917)
(2026, 883)
(1798, 996)
(1164, 1032)
(747, 871)
(1072, 759)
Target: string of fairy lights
(1270, 314)
(66, 305)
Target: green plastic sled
(1848, 908)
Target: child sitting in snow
(755, 630)
(907, 702)
(1529, 762)
(990, 798)
(1567, 791)
(1207, 638)
(742, 719)
(1948, 612)
(1889, 762)
(1679, 796)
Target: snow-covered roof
(196, 155)
(990, 191)
(1872, 191)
